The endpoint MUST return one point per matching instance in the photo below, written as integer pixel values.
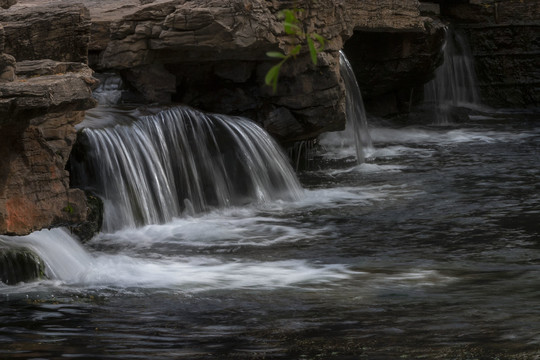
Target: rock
(56, 30)
(504, 39)
(392, 67)
(19, 265)
(5, 4)
(153, 81)
(94, 219)
(385, 15)
(37, 118)
(7, 68)
(211, 55)
(2, 38)
(52, 92)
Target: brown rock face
(211, 54)
(40, 102)
(505, 40)
(37, 118)
(41, 30)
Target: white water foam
(68, 263)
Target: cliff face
(394, 51)
(40, 102)
(209, 54)
(505, 40)
(177, 50)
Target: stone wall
(505, 40)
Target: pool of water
(431, 249)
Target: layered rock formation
(40, 102)
(504, 38)
(209, 54)
(394, 51)
(178, 50)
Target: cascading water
(109, 91)
(455, 82)
(182, 161)
(356, 133)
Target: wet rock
(19, 265)
(391, 66)
(504, 39)
(94, 219)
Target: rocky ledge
(38, 111)
(40, 102)
(211, 54)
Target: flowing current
(428, 249)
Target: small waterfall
(109, 91)
(181, 161)
(455, 82)
(356, 131)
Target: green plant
(69, 208)
(292, 26)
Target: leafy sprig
(292, 26)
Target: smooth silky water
(431, 247)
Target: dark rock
(505, 41)
(5, 4)
(94, 219)
(389, 66)
(19, 265)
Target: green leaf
(296, 50)
(272, 75)
(321, 41)
(312, 50)
(290, 28)
(290, 16)
(276, 54)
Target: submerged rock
(19, 265)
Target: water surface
(429, 249)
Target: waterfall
(455, 80)
(356, 131)
(109, 91)
(181, 161)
